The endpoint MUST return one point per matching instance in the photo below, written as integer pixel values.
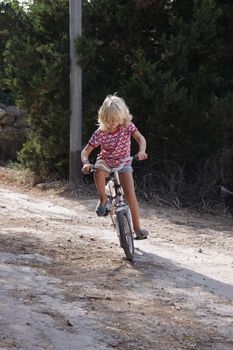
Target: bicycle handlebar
(109, 170)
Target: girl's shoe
(101, 210)
(141, 234)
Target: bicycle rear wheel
(123, 218)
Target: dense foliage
(36, 70)
(170, 60)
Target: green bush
(37, 72)
(170, 60)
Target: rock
(13, 130)
(2, 113)
(14, 111)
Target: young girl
(114, 138)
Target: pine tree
(37, 70)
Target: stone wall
(13, 129)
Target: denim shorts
(125, 169)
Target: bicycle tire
(125, 233)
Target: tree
(170, 60)
(37, 70)
(13, 20)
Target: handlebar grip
(91, 169)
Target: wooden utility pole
(75, 172)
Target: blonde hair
(113, 108)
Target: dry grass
(167, 185)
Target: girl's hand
(142, 155)
(86, 168)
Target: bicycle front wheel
(123, 218)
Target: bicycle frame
(118, 209)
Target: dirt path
(65, 285)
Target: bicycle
(118, 209)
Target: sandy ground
(65, 284)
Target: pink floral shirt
(115, 146)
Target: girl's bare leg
(127, 182)
(100, 185)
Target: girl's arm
(140, 139)
(84, 158)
